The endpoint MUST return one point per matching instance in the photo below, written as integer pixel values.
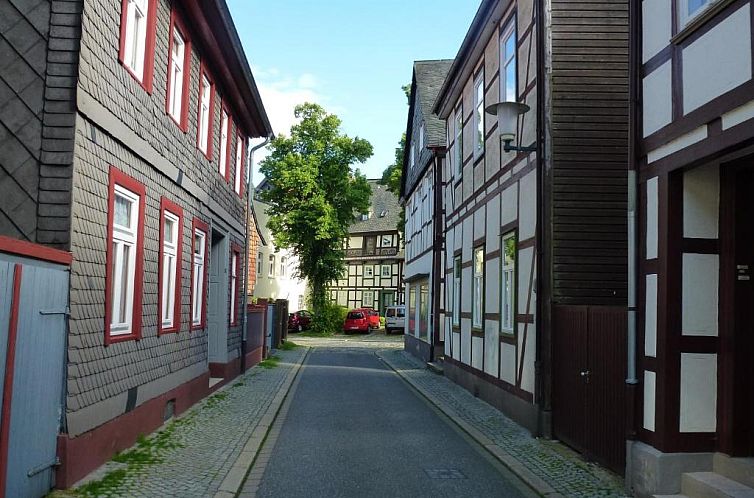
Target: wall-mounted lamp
(507, 123)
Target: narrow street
(352, 427)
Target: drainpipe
(247, 251)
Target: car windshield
(355, 316)
(401, 312)
(390, 313)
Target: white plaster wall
(508, 363)
(421, 265)
(657, 94)
(527, 354)
(492, 286)
(718, 61)
(652, 218)
(698, 412)
(456, 338)
(477, 350)
(650, 316)
(650, 391)
(466, 341)
(525, 261)
(491, 346)
(656, 27)
(738, 115)
(479, 226)
(700, 294)
(677, 144)
(527, 221)
(509, 205)
(493, 224)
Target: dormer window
(383, 213)
(365, 216)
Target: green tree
(314, 194)
(392, 175)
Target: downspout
(247, 252)
(633, 187)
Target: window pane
(124, 284)
(510, 82)
(510, 46)
(122, 216)
(695, 5)
(169, 231)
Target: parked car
(356, 321)
(395, 319)
(373, 317)
(299, 321)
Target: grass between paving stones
(270, 362)
(288, 346)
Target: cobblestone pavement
(191, 456)
(559, 467)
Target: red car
(356, 321)
(373, 317)
(299, 321)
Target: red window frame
(117, 177)
(177, 22)
(235, 249)
(229, 142)
(201, 225)
(176, 210)
(147, 81)
(241, 143)
(203, 73)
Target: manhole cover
(444, 474)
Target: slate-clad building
(374, 256)
(421, 193)
(125, 145)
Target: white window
(412, 159)
(175, 92)
(387, 270)
(272, 266)
(170, 252)
(260, 264)
(197, 285)
(508, 67)
(283, 262)
(369, 271)
(233, 286)
(135, 44)
(124, 245)
(421, 138)
(478, 288)
(689, 9)
(458, 146)
(455, 304)
(508, 283)
(479, 115)
(204, 114)
(368, 299)
(224, 124)
(239, 166)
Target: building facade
(535, 263)
(421, 193)
(374, 256)
(146, 110)
(276, 269)
(694, 160)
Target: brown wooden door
(737, 339)
(589, 381)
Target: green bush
(329, 320)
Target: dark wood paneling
(590, 152)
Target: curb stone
(233, 481)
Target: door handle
(586, 375)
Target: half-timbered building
(139, 114)
(694, 159)
(421, 193)
(374, 256)
(535, 200)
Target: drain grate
(445, 474)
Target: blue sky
(352, 57)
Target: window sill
(171, 330)
(699, 21)
(114, 339)
(199, 326)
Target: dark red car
(373, 317)
(356, 321)
(299, 321)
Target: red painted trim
(236, 249)
(200, 225)
(10, 359)
(229, 149)
(120, 178)
(35, 251)
(147, 81)
(177, 23)
(203, 73)
(173, 208)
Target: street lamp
(507, 123)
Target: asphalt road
(355, 429)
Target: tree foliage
(314, 194)
(392, 175)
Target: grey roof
(430, 75)
(382, 201)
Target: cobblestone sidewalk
(551, 468)
(191, 456)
